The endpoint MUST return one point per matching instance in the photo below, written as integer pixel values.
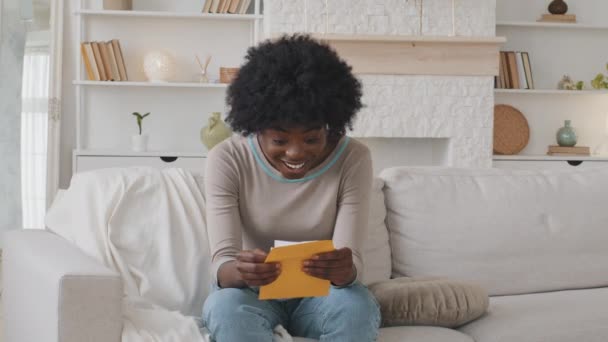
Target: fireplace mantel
(418, 55)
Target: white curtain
(34, 123)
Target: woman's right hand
(252, 269)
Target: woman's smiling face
(294, 151)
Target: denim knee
(237, 315)
(361, 308)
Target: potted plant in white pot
(139, 142)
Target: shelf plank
(550, 92)
(170, 15)
(542, 157)
(533, 24)
(152, 84)
(129, 153)
(417, 55)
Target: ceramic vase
(139, 143)
(558, 7)
(159, 66)
(215, 131)
(566, 136)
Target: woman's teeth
(294, 166)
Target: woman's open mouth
(294, 166)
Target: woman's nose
(295, 153)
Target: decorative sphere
(159, 66)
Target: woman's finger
(257, 276)
(257, 267)
(255, 257)
(328, 263)
(261, 282)
(338, 254)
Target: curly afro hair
(291, 81)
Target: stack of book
(558, 18)
(515, 71)
(226, 6)
(581, 151)
(104, 61)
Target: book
(220, 7)
(234, 6)
(528, 69)
(245, 6)
(214, 6)
(293, 282)
(583, 150)
(89, 61)
(122, 69)
(207, 6)
(513, 75)
(99, 62)
(523, 83)
(105, 58)
(113, 63)
(228, 5)
(505, 70)
(560, 18)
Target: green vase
(566, 136)
(215, 132)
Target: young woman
(292, 175)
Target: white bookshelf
(181, 107)
(168, 15)
(152, 84)
(550, 158)
(551, 25)
(129, 153)
(556, 49)
(550, 92)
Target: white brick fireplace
(408, 119)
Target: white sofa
(535, 240)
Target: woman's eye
(278, 142)
(312, 141)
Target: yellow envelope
(293, 282)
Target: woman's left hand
(335, 266)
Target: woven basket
(511, 130)
(228, 74)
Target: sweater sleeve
(224, 227)
(353, 206)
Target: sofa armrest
(53, 292)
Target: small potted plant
(139, 142)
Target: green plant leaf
(598, 81)
(580, 85)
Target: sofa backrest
(510, 231)
(376, 249)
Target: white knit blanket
(149, 226)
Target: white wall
(459, 109)
(12, 48)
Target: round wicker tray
(511, 130)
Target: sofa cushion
(511, 231)
(376, 248)
(429, 301)
(564, 316)
(413, 334)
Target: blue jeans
(347, 314)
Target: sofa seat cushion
(564, 316)
(414, 334)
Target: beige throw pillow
(429, 301)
